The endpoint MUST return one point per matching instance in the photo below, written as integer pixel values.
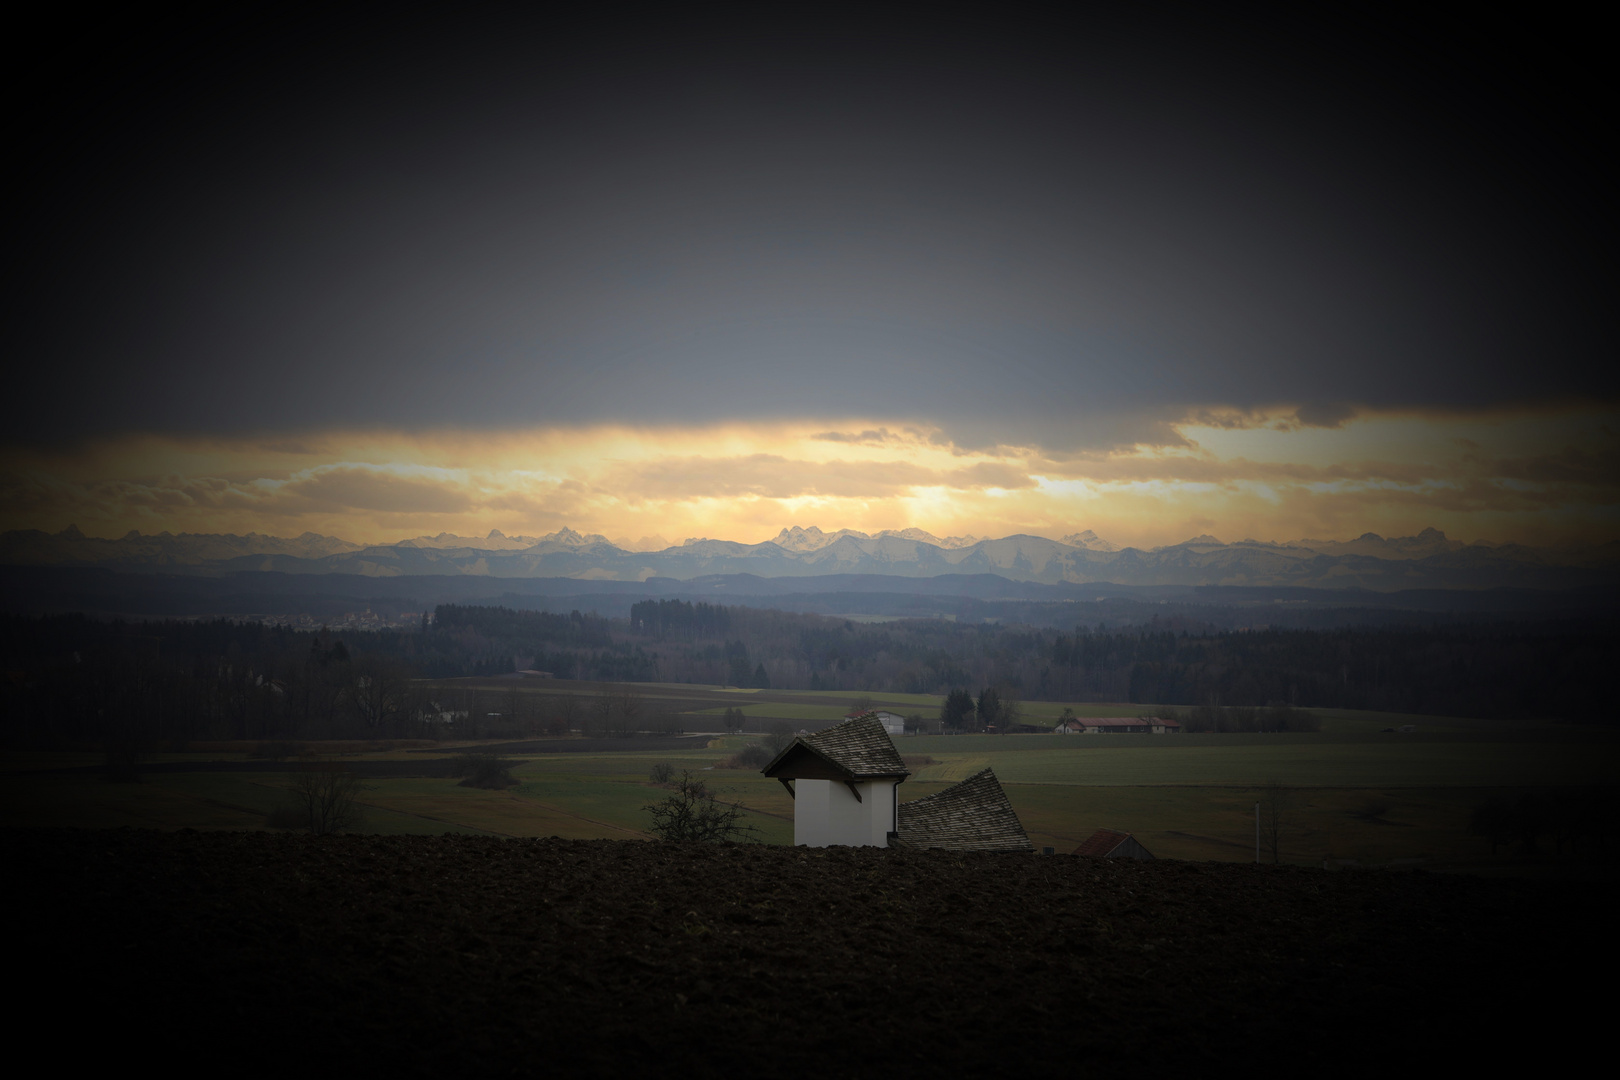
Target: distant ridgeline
(1427, 560)
(69, 677)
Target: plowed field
(471, 956)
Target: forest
(69, 678)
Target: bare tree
(693, 813)
(628, 700)
(618, 708)
(326, 797)
(514, 711)
(380, 691)
(565, 713)
(779, 736)
(1278, 810)
(604, 705)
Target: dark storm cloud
(1011, 231)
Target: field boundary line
(579, 817)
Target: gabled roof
(1101, 842)
(857, 749)
(1106, 842)
(971, 816)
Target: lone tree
(325, 797)
(692, 813)
(989, 707)
(1278, 811)
(957, 710)
(485, 770)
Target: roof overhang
(801, 761)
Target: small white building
(893, 723)
(845, 784)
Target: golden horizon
(1532, 476)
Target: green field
(1358, 792)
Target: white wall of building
(810, 815)
(825, 813)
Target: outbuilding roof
(857, 749)
(973, 815)
(1108, 842)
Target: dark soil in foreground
(471, 956)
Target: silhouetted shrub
(753, 756)
(482, 770)
(694, 814)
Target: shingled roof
(971, 816)
(1113, 844)
(857, 749)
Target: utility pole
(1256, 832)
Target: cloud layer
(468, 270)
(1008, 232)
(1529, 476)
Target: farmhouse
(1110, 844)
(893, 723)
(1119, 725)
(845, 782)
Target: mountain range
(1370, 561)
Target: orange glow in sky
(1536, 477)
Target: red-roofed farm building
(1111, 844)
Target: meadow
(1354, 792)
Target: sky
(1153, 275)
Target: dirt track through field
(470, 956)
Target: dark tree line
(1485, 670)
(679, 619)
(466, 640)
(1553, 821)
(136, 687)
(70, 678)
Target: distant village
(349, 620)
